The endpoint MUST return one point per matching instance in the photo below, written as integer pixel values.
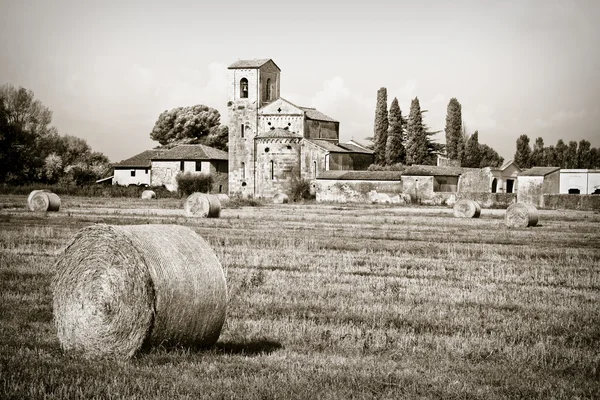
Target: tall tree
(472, 156)
(416, 138)
(523, 154)
(560, 151)
(537, 155)
(394, 149)
(594, 158)
(453, 129)
(195, 124)
(550, 157)
(489, 157)
(570, 160)
(583, 154)
(24, 112)
(380, 129)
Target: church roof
(141, 160)
(434, 170)
(192, 152)
(313, 113)
(338, 147)
(279, 133)
(254, 63)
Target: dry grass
(330, 301)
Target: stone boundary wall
(572, 201)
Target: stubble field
(331, 302)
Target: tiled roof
(279, 133)
(362, 175)
(539, 171)
(355, 149)
(192, 152)
(141, 160)
(312, 113)
(254, 63)
(434, 170)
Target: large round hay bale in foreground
(202, 205)
(521, 215)
(148, 194)
(281, 198)
(43, 201)
(223, 198)
(467, 209)
(118, 288)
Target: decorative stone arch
(494, 185)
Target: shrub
(301, 190)
(189, 183)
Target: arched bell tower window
(269, 90)
(244, 88)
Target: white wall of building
(131, 176)
(586, 181)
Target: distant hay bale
(202, 205)
(118, 288)
(467, 209)
(223, 198)
(148, 194)
(281, 198)
(43, 200)
(521, 215)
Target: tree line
(31, 150)
(402, 141)
(572, 155)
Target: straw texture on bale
(281, 198)
(202, 205)
(521, 215)
(467, 209)
(43, 201)
(148, 194)
(30, 198)
(119, 288)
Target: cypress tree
(570, 160)
(583, 154)
(394, 149)
(560, 152)
(453, 129)
(416, 138)
(381, 126)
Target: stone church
(273, 142)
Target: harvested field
(330, 301)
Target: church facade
(273, 143)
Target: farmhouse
(537, 181)
(273, 142)
(193, 158)
(134, 170)
(579, 181)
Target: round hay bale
(521, 215)
(30, 198)
(118, 288)
(467, 209)
(148, 194)
(44, 201)
(281, 198)
(202, 205)
(223, 198)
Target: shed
(534, 182)
(579, 181)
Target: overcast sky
(107, 69)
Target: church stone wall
(313, 162)
(278, 164)
(327, 130)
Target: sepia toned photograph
(300, 200)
